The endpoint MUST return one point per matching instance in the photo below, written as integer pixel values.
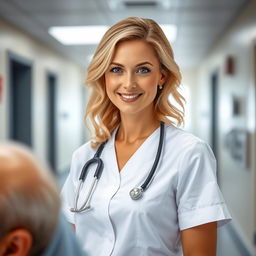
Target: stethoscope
(135, 193)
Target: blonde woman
(157, 193)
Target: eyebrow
(139, 64)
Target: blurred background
(43, 59)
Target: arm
(200, 240)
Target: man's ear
(16, 243)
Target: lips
(129, 97)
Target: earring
(160, 87)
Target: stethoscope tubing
(158, 154)
(135, 193)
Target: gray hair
(34, 206)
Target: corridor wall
(70, 76)
(236, 115)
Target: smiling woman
(133, 77)
(179, 204)
(149, 37)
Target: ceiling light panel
(89, 35)
(78, 35)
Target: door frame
(50, 144)
(14, 57)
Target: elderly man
(29, 208)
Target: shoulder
(182, 139)
(185, 144)
(83, 152)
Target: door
(51, 113)
(20, 98)
(214, 115)
(214, 121)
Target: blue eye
(143, 70)
(116, 70)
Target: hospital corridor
(45, 50)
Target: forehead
(135, 51)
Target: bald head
(29, 197)
(20, 170)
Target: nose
(130, 82)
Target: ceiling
(199, 22)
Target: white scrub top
(183, 194)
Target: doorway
(20, 98)
(51, 113)
(252, 156)
(214, 114)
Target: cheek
(150, 81)
(110, 89)
(110, 83)
(150, 85)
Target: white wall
(237, 182)
(69, 93)
(189, 80)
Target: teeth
(130, 96)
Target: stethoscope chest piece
(136, 193)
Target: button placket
(113, 187)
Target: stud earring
(160, 87)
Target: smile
(129, 97)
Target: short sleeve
(198, 197)
(68, 193)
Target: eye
(116, 70)
(143, 70)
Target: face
(133, 76)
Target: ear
(162, 77)
(16, 243)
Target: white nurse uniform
(182, 194)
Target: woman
(131, 75)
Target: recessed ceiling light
(88, 35)
(75, 35)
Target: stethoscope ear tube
(80, 185)
(86, 205)
(96, 159)
(135, 193)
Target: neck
(136, 128)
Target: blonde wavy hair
(102, 113)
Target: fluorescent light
(82, 35)
(78, 34)
(170, 31)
